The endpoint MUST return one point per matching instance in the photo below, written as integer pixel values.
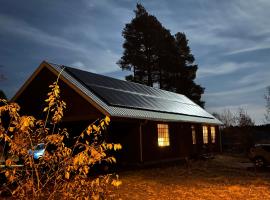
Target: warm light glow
(213, 134)
(163, 135)
(193, 132)
(205, 134)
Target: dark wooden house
(152, 125)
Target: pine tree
(187, 71)
(156, 57)
(142, 46)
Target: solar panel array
(126, 94)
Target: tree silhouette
(156, 57)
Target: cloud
(252, 82)
(242, 90)
(80, 65)
(223, 69)
(225, 28)
(258, 77)
(249, 49)
(21, 28)
(92, 54)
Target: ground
(224, 177)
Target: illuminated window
(193, 132)
(213, 134)
(163, 135)
(205, 135)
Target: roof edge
(55, 71)
(29, 80)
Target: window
(193, 132)
(163, 135)
(213, 134)
(205, 134)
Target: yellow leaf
(11, 129)
(95, 197)
(89, 130)
(7, 173)
(107, 120)
(95, 128)
(97, 181)
(113, 159)
(67, 175)
(102, 124)
(6, 138)
(117, 146)
(109, 146)
(45, 109)
(8, 162)
(116, 183)
(86, 169)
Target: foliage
(157, 57)
(63, 172)
(231, 119)
(237, 131)
(267, 99)
(226, 117)
(243, 119)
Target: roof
(132, 100)
(118, 98)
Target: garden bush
(63, 171)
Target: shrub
(62, 172)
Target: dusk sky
(229, 39)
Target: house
(152, 125)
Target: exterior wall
(151, 150)
(202, 148)
(127, 134)
(32, 99)
(180, 142)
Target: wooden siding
(180, 142)
(32, 99)
(127, 134)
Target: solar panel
(132, 95)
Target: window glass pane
(163, 135)
(205, 134)
(193, 132)
(213, 134)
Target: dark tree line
(240, 118)
(156, 57)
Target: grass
(224, 177)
